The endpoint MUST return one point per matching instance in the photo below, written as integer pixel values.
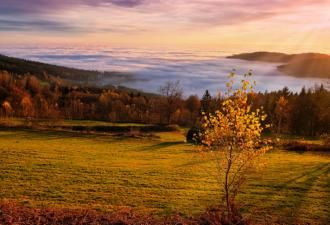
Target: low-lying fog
(198, 69)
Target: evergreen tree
(286, 92)
(205, 102)
(302, 92)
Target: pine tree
(205, 102)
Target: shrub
(193, 134)
(325, 138)
(174, 127)
(297, 145)
(11, 213)
(135, 132)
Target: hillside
(92, 81)
(276, 56)
(300, 65)
(314, 67)
(21, 66)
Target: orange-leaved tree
(231, 144)
(280, 117)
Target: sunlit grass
(76, 170)
(287, 137)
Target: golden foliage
(231, 139)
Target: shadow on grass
(50, 134)
(296, 151)
(310, 173)
(291, 195)
(160, 146)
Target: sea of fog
(198, 69)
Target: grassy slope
(74, 170)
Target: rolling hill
(315, 65)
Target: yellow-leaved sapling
(230, 143)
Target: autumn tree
(27, 106)
(172, 93)
(280, 118)
(189, 113)
(231, 143)
(7, 107)
(192, 103)
(33, 85)
(140, 106)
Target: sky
(170, 22)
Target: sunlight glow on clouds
(192, 22)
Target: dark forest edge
(300, 65)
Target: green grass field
(103, 172)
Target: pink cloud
(170, 16)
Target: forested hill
(21, 66)
(300, 65)
(277, 57)
(317, 67)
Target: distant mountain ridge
(315, 65)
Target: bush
(297, 145)
(135, 132)
(174, 127)
(193, 133)
(325, 138)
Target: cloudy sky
(170, 22)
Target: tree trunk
(279, 127)
(227, 184)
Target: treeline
(305, 113)
(24, 96)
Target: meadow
(41, 168)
